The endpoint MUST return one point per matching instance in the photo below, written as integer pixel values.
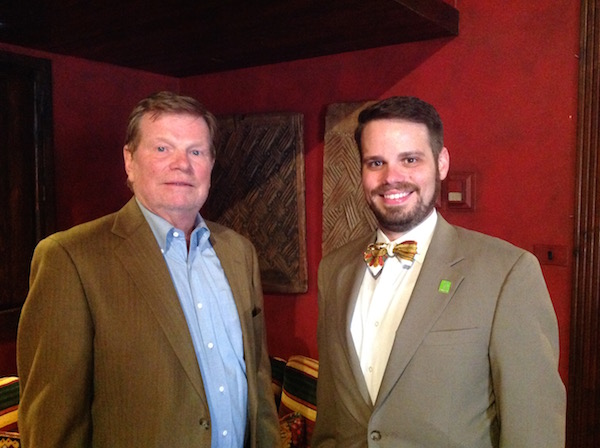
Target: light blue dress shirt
(213, 321)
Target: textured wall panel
(258, 190)
(346, 214)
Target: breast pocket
(454, 336)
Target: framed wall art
(258, 190)
(346, 214)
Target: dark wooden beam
(184, 38)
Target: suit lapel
(427, 302)
(350, 279)
(232, 264)
(141, 257)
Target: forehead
(394, 127)
(397, 134)
(170, 121)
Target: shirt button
(375, 436)
(211, 345)
(221, 389)
(175, 234)
(224, 433)
(371, 369)
(376, 324)
(199, 306)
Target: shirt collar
(164, 231)
(422, 234)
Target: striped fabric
(9, 403)
(299, 392)
(277, 372)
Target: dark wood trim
(36, 73)
(40, 72)
(583, 416)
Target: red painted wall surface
(506, 88)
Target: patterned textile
(9, 403)
(277, 372)
(299, 392)
(9, 440)
(292, 428)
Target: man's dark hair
(406, 108)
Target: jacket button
(375, 436)
(205, 423)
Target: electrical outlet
(551, 254)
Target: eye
(199, 152)
(374, 163)
(411, 160)
(161, 148)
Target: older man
(145, 328)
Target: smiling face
(400, 176)
(170, 168)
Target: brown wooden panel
(346, 214)
(258, 190)
(26, 185)
(17, 187)
(190, 37)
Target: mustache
(400, 186)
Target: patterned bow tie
(377, 253)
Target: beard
(399, 220)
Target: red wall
(506, 88)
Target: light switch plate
(458, 191)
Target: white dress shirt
(382, 301)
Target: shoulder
(477, 241)
(100, 232)
(82, 243)
(351, 250)
(122, 222)
(493, 252)
(87, 231)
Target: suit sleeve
(54, 354)
(324, 432)
(524, 347)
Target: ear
(443, 163)
(128, 159)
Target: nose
(180, 160)
(394, 173)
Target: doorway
(26, 185)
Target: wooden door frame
(583, 414)
(39, 73)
